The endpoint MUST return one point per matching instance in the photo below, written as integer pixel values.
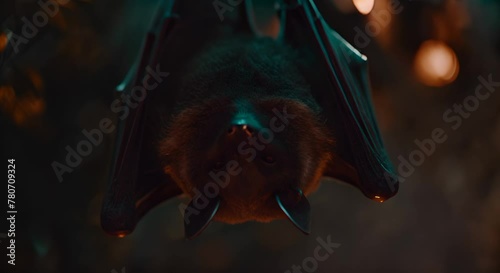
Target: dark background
(445, 218)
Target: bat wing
(341, 86)
(137, 182)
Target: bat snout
(238, 133)
(238, 129)
(241, 142)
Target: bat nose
(240, 130)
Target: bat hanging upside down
(249, 140)
(252, 128)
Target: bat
(244, 125)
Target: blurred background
(425, 56)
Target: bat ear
(296, 207)
(195, 219)
(263, 18)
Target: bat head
(243, 154)
(247, 141)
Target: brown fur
(210, 100)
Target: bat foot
(296, 207)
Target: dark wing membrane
(137, 183)
(361, 157)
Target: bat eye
(268, 159)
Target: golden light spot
(378, 199)
(7, 96)
(23, 109)
(27, 108)
(3, 41)
(436, 64)
(364, 6)
(33, 105)
(36, 79)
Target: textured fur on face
(246, 79)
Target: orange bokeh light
(364, 6)
(436, 64)
(3, 41)
(23, 109)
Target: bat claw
(196, 220)
(296, 207)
